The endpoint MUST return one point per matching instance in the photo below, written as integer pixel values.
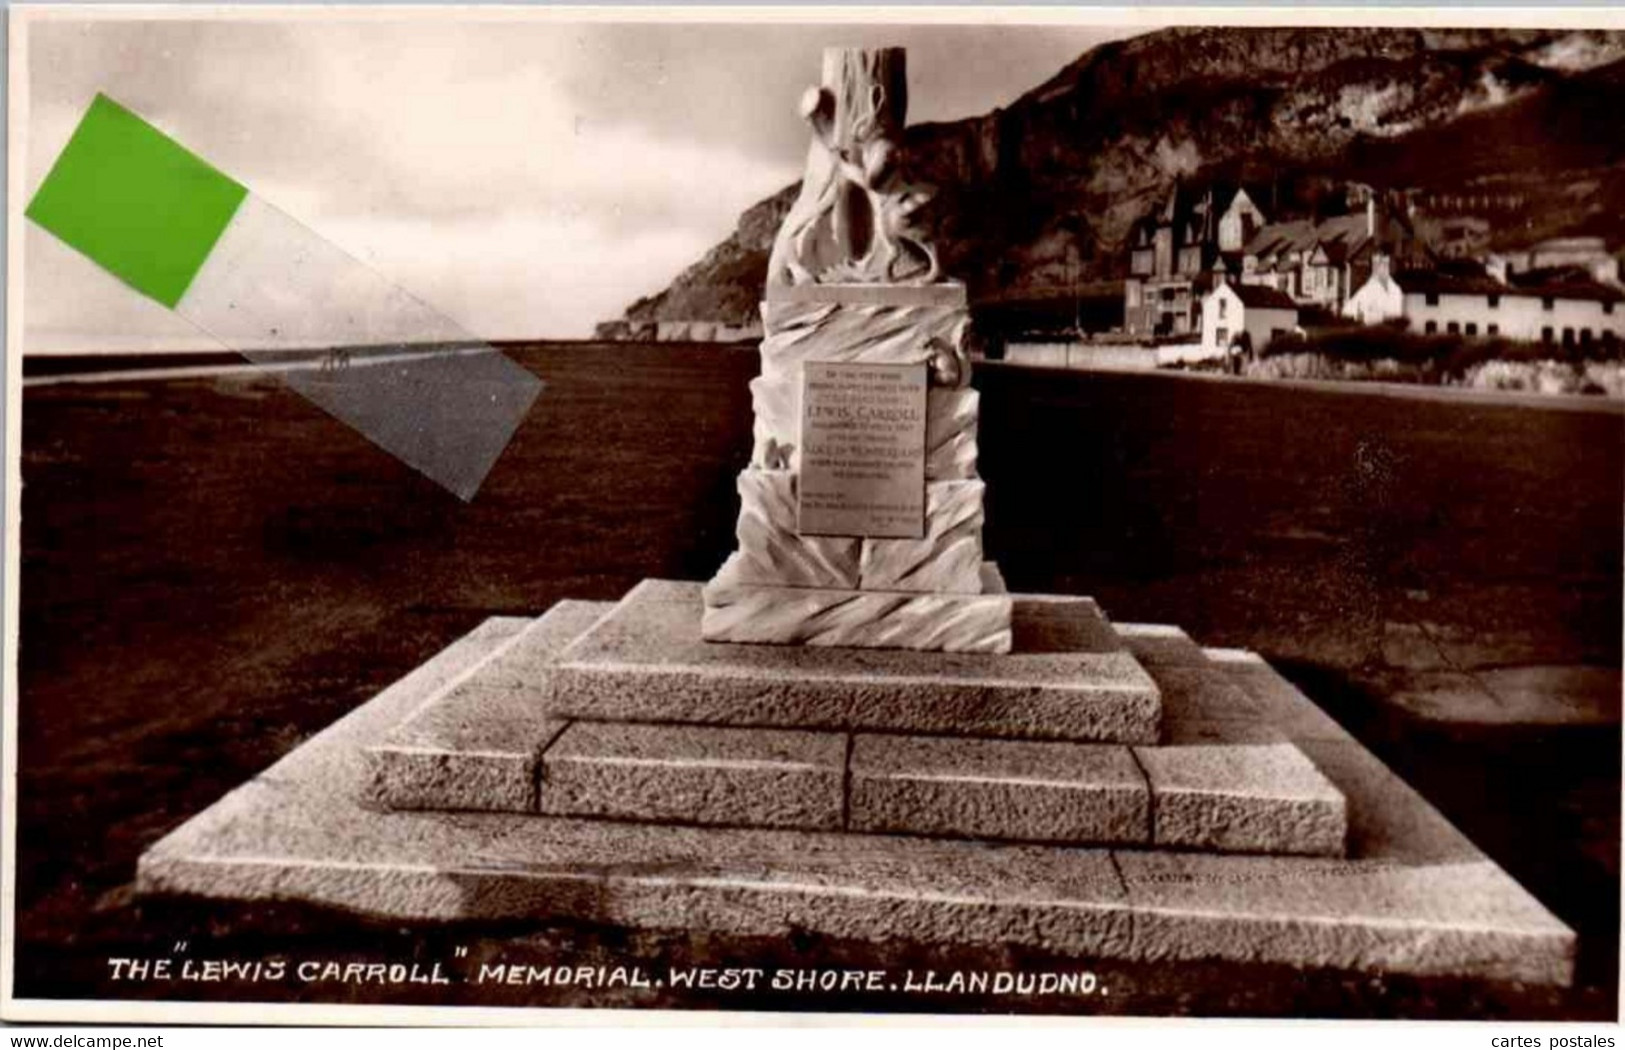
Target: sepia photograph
(899, 511)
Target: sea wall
(1541, 377)
(1103, 358)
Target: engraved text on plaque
(862, 450)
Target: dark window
(1495, 300)
(1472, 329)
(1433, 299)
(1607, 308)
(1431, 327)
(1546, 334)
(1585, 337)
(1568, 337)
(1548, 303)
(1493, 329)
(1453, 328)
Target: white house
(1172, 251)
(1239, 222)
(1571, 312)
(1244, 316)
(1379, 299)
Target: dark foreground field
(213, 570)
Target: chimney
(1371, 215)
(1381, 267)
(1496, 267)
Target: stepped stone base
(1412, 896)
(1244, 798)
(1019, 790)
(474, 747)
(501, 739)
(767, 778)
(1236, 796)
(1068, 677)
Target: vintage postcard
(1092, 512)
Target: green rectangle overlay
(164, 221)
(136, 201)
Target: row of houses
(1320, 264)
(1206, 263)
(1199, 238)
(1565, 308)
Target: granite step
(1412, 896)
(1242, 798)
(1068, 677)
(1246, 798)
(763, 778)
(1014, 790)
(1219, 779)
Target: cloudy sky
(527, 178)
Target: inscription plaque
(862, 450)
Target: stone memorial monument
(919, 755)
(860, 519)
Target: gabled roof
(1280, 237)
(1342, 236)
(1258, 193)
(1574, 287)
(1262, 297)
(1435, 282)
(1342, 233)
(1335, 251)
(1190, 205)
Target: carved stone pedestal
(927, 590)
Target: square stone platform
(1411, 896)
(494, 742)
(1068, 677)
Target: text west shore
(748, 979)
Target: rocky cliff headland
(1034, 200)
